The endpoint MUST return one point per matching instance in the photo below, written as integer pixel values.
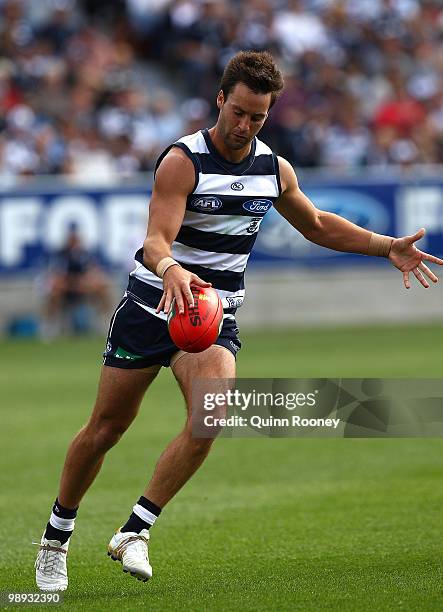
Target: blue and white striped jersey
(223, 215)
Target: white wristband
(164, 264)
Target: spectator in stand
(401, 111)
(346, 141)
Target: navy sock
(143, 516)
(62, 517)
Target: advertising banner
(112, 222)
(386, 208)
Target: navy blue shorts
(138, 339)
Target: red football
(198, 327)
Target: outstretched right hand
(177, 283)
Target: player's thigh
(215, 363)
(120, 392)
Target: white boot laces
(49, 561)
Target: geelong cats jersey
(220, 225)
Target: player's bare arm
(334, 232)
(174, 181)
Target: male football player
(211, 192)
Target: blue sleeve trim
(277, 173)
(188, 152)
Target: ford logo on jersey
(258, 207)
(207, 204)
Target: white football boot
(51, 573)
(132, 550)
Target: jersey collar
(232, 167)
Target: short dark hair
(257, 70)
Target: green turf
(267, 524)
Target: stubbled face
(242, 115)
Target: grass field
(267, 524)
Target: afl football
(198, 327)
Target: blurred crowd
(96, 89)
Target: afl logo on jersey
(207, 204)
(237, 186)
(258, 207)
